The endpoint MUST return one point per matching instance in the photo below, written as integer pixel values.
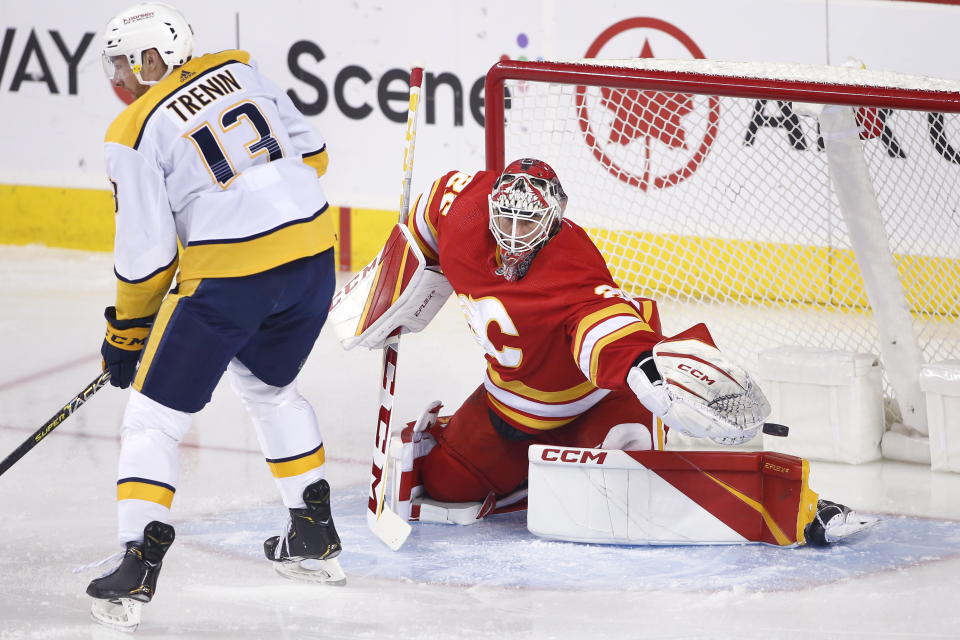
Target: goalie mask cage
(732, 195)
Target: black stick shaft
(75, 403)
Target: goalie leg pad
(410, 453)
(463, 513)
(660, 497)
(407, 451)
(471, 458)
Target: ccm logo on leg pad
(575, 456)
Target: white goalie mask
(151, 25)
(526, 207)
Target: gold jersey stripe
(132, 490)
(142, 299)
(527, 421)
(301, 464)
(319, 162)
(128, 126)
(598, 348)
(425, 248)
(243, 258)
(184, 290)
(596, 317)
(426, 210)
(555, 397)
(646, 310)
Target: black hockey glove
(122, 346)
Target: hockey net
(707, 186)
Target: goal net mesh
(721, 208)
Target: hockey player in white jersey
(215, 180)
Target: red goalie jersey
(558, 339)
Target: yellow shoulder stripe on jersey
(557, 397)
(633, 327)
(128, 126)
(425, 248)
(246, 257)
(295, 465)
(646, 310)
(319, 160)
(426, 210)
(528, 421)
(139, 489)
(142, 298)
(586, 323)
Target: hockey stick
(383, 521)
(75, 403)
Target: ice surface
(492, 580)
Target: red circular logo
(624, 118)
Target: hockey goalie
(581, 386)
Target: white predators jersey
(214, 173)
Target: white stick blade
(390, 528)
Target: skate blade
(854, 525)
(122, 614)
(310, 570)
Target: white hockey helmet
(526, 208)
(150, 25)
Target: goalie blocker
(694, 497)
(396, 290)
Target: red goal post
(731, 194)
(596, 73)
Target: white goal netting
(722, 207)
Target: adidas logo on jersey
(186, 75)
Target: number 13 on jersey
(212, 151)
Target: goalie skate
(835, 522)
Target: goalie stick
(68, 409)
(383, 521)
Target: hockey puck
(773, 429)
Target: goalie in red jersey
(573, 363)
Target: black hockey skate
(119, 595)
(834, 522)
(310, 544)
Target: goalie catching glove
(688, 383)
(395, 291)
